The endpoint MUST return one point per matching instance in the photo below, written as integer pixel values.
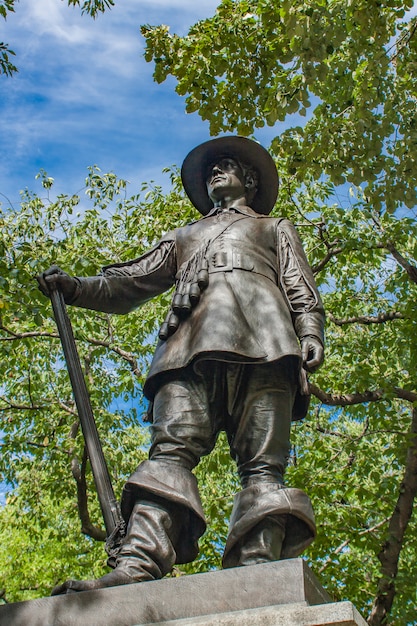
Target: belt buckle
(221, 261)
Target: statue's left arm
(303, 299)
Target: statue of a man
(246, 322)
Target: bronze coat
(257, 305)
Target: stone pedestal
(284, 593)
(299, 614)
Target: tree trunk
(391, 549)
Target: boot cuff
(174, 485)
(255, 503)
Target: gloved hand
(55, 276)
(312, 352)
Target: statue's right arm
(121, 287)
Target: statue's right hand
(54, 276)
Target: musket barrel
(108, 503)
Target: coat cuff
(310, 325)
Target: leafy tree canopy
(347, 170)
(350, 65)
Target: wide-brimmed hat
(194, 170)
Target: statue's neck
(229, 202)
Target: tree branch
(330, 254)
(68, 409)
(410, 269)
(127, 356)
(403, 41)
(345, 399)
(381, 318)
(11, 406)
(345, 543)
(335, 433)
(391, 549)
(87, 527)
(350, 399)
(334, 248)
(12, 336)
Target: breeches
(252, 403)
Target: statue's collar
(244, 210)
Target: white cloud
(60, 34)
(48, 31)
(48, 17)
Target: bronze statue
(245, 324)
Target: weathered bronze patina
(245, 324)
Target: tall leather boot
(147, 553)
(263, 543)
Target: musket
(113, 521)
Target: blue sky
(84, 95)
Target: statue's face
(225, 179)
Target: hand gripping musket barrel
(113, 521)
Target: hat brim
(193, 171)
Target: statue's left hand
(312, 352)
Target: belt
(229, 260)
